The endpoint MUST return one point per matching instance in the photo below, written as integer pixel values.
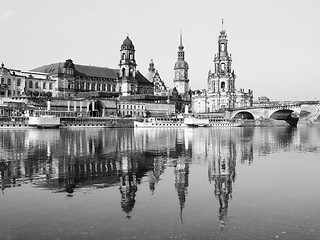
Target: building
(17, 83)
(221, 92)
(75, 80)
(181, 68)
(153, 76)
(180, 94)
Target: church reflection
(65, 161)
(222, 173)
(181, 172)
(127, 170)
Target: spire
(2, 65)
(222, 25)
(180, 37)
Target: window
(98, 87)
(36, 85)
(93, 86)
(223, 85)
(222, 67)
(109, 87)
(87, 86)
(2, 80)
(30, 84)
(222, 47)
(50, 86)
(114, 88)
(9, 81)
(18, 82)
(103, 87)
(44, 86)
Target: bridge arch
(282, 114)
(286, 115)
(243, 115)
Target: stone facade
(221, 92)
(181, 68)
(160, 89)
(75, 80)
(18, 83)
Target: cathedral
(221, 92)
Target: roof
(142, 80)
(79, 70)
(127, 44)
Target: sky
(274, 43)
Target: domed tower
(127, 76)
(181, 81)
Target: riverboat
(88, 122)
(196, 122)
(25, 122)
(44, 121)
(14, 123)
(160, 122)
(223, 122)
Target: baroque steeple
(181, 67)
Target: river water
(188, 183)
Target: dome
(181, 64)
(127, 44)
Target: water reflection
(63, 161)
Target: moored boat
(44, 121)
(88, 122)
(160, 122)
(196, 122)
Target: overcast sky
(274, 43)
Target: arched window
(30, 84)
(222, 47)
(123, 72)
(223, 67)
(223, 85)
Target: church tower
(181, 81)
(127, 76)
(222, 80)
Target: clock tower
(181, 81)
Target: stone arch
(282, 114)
(243, 115)
(286, 115)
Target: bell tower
(127, 76)
(181, 67)
(222, 80)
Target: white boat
(160, 122)
(196, 122)
(44, 121)
(225, 123)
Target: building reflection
(221, 173)
(66, 160)
(127, 170)
(181, 172)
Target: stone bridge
(288, 113)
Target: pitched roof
(142, 80)
(80, 70)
